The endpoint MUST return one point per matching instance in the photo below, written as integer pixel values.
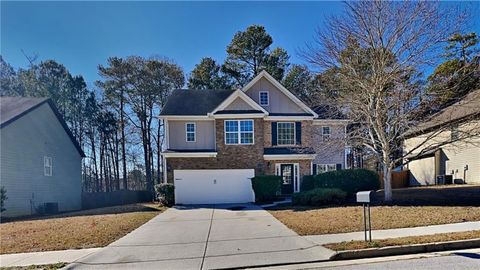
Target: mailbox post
(366, 197)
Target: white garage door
(213, 186)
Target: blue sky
(82, 35)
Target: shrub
(350, 181)
(319, 196)
(3, 198)
(308, 183)
(266, 187)
(165, 194)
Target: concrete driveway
(209, 237)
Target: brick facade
(306, 133)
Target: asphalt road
(460, 261)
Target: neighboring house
(457, 160)
(218, 139)
(40, 159)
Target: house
(40, 160)
(437, 159)
(217, 140)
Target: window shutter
(314, 169)
(274, 133)
(298, 132)
(339, 166)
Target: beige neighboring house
(218, 139)
(40, 161)
(458, 160)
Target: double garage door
(213, 186)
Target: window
(454, 133)
(264, 99)
(326, 132)
(190, 132)
(285, 133)
(47, 166)
(321, 168)
(239, 132)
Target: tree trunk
(124, 156)
(387, 182)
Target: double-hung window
(321, 168)
(285, 133)
(264, 98)
(326, 133)
(190, 129)
(47, 166)
(239, 132)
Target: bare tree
(378, 50)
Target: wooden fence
(399, 179)
(119, 197)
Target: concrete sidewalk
(395, 233)
(46, 257)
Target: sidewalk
(395, 233)
(46, 257)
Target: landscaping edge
(407, 249)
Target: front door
(286, 172)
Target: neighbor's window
(264, 99)
(47, 166)
(321, 168)
(454, 133)
(285, 133)
(326, 132)
(239, 132)
(190, 132)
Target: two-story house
(217, 140)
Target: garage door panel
(213, 186)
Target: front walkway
(395, 233)
(46, 257)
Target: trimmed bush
(165, 194)
(319, 197)
(350, 181)
(308, 183)
(3, 198)
(266, 187)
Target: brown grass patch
(310, 221)
(37, 267)
(441, 237)
(82, 229)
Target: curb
(401, 250)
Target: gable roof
(239, 94)
(279, 86)
(194, 102)
(13, 108)
(463, 110)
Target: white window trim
(238, 132)
(47, 163)
(260, 98)
(326, 168)
(327, 135)
(194, 131)
(294, 134)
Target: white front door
(213, 186)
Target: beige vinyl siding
(239, 104)
(422, 171)
(204, 137)
(331, 151)
(457, 155)
(278, 103)
(24, 144)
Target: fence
(399, 179)
(119, 197)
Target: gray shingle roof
(467, 108)
(288, 151)
(194, 102)
(13, 108)
(329, 112)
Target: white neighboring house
(460, 159)
(40, 160)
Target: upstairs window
(190, 129)
(326, 132)
(239, 132)
(264, 98)
(47, 166)
(285, 133)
